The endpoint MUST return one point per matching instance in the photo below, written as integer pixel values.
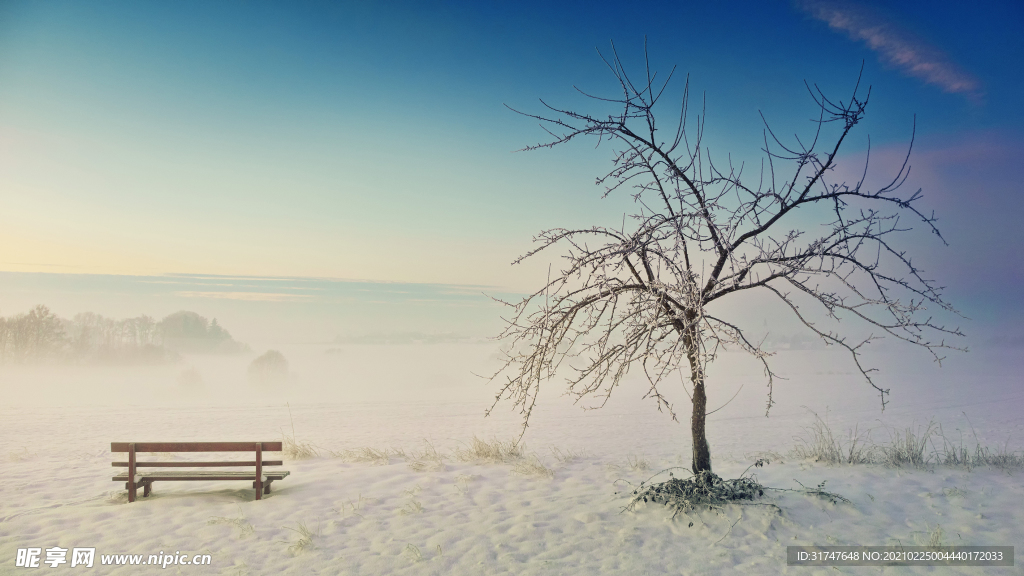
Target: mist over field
(348, 343)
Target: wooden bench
(134, 478)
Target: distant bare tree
(37, 336)
(269, 368)
(97, 338)
(639, 294)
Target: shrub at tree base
(270, 368)
(706, 489)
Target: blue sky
(370, 141)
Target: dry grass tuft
(462, 483)
(353, 507)
(294, 449)
(306, 537)
(243, 525)
(954, 492)
(1005, 460)
(958, 456)
(297, 450)
(412, 507)
(429, 460)
(532, 466)
(493, 452)
(371, 455)
(637, 463)
(764, 455)
(934, 538)
(823, 446)
(412, 553)
(907, 449)
(567, 456)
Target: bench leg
(147, 489)
(266, 488)
(132, 483)
(259, 487)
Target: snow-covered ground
(467, 517)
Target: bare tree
(33, 337)
(640, 294)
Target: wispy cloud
(252, 296)
(895, 46)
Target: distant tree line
(40, 336)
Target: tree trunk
(701, 449)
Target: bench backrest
(133, 448)
(195, 446)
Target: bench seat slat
(184, 464)
(200, 475)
